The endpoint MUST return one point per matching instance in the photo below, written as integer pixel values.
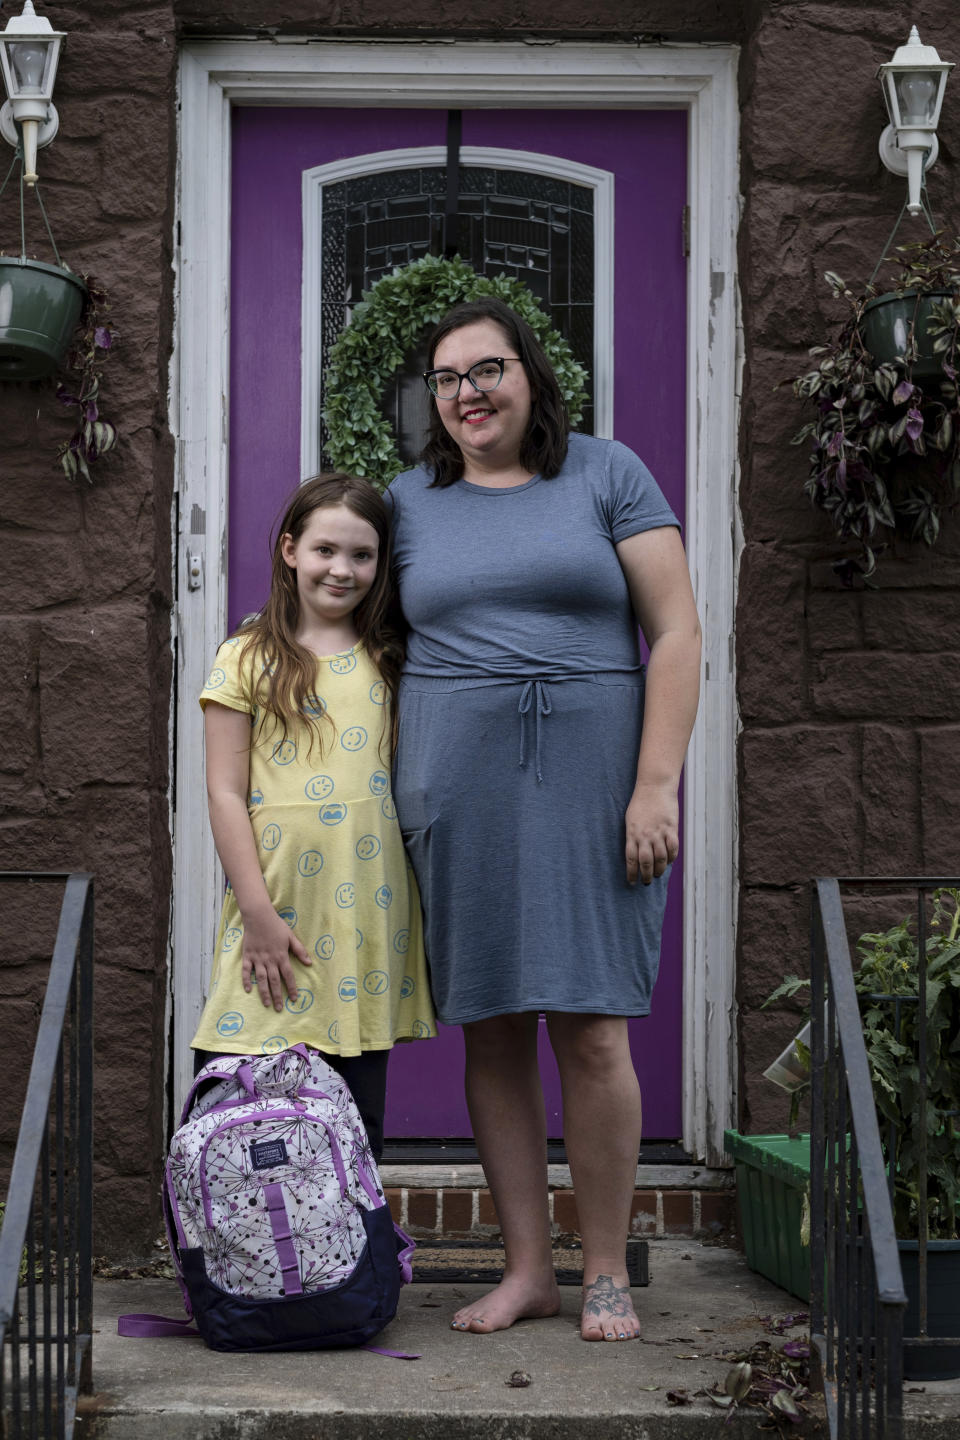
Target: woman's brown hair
(544, 446)
(286, 687)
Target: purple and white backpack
(279, 1230)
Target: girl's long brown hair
(543, 448)
(286, 686)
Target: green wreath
(386, 326)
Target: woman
(535, 785)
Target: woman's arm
(656, 571)
(267, 940)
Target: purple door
(646, 153)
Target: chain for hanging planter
(387, 325)
(53, 320)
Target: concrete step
(701, 1304)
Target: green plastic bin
(773, 1178)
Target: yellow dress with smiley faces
(335, 869)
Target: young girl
(320, 935)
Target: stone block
(911, 620)
(773, 941)
(895, 685)
(770, 633)
(834, 619)
(940, 800)
(890, 799)
(39, 571)
(36, 496)
(772, 502)
(95, 701)
(19, 754)
(799, 804)
(800, 124)
(48, 842)
(126, 1218)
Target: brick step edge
(443, 1213)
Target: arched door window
(538, 227)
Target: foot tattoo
(608, 1312)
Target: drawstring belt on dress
(533, 690)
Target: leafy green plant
(887, 982)
(386, 326)
(884, 447)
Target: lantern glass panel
(30, 64)
(917, 98)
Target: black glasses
(485, 375)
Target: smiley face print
(378, 693)
(232, 937)
(274, 1045)
(217, 678)
(271, 836)
(407, 987)
(367, 847)
(289, 915)
(283, 752)
(376, 982)
(347, 989)
(383, 897)
(333, 813)
(401, 941)
(325, 947)
(387, 808)
(343, 664)
(310, 864)
(230, 1024)
(303, 1002)
(379, 782)
(354, 739)
(318, 787)
(346, 895)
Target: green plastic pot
(886, 325)
(40, 306)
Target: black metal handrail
(46, 1281)
(858, 1299)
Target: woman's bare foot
(515, 1298)
(608, 1312)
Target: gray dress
(520, 715)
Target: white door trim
(599, 181)
(700, 78)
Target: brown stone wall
(850, 702)
(85, 593)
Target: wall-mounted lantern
(913, 84)
(29, 55)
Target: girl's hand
(267, 944)
(652, 824)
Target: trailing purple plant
(884, 442)
(93, 437)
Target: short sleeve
(229, 681)
(634, 500)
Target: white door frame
(297, 71)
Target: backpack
(280, 1234)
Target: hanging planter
(896, 325)
(40, 307)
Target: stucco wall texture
(849, 701)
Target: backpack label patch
(265, 1154)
